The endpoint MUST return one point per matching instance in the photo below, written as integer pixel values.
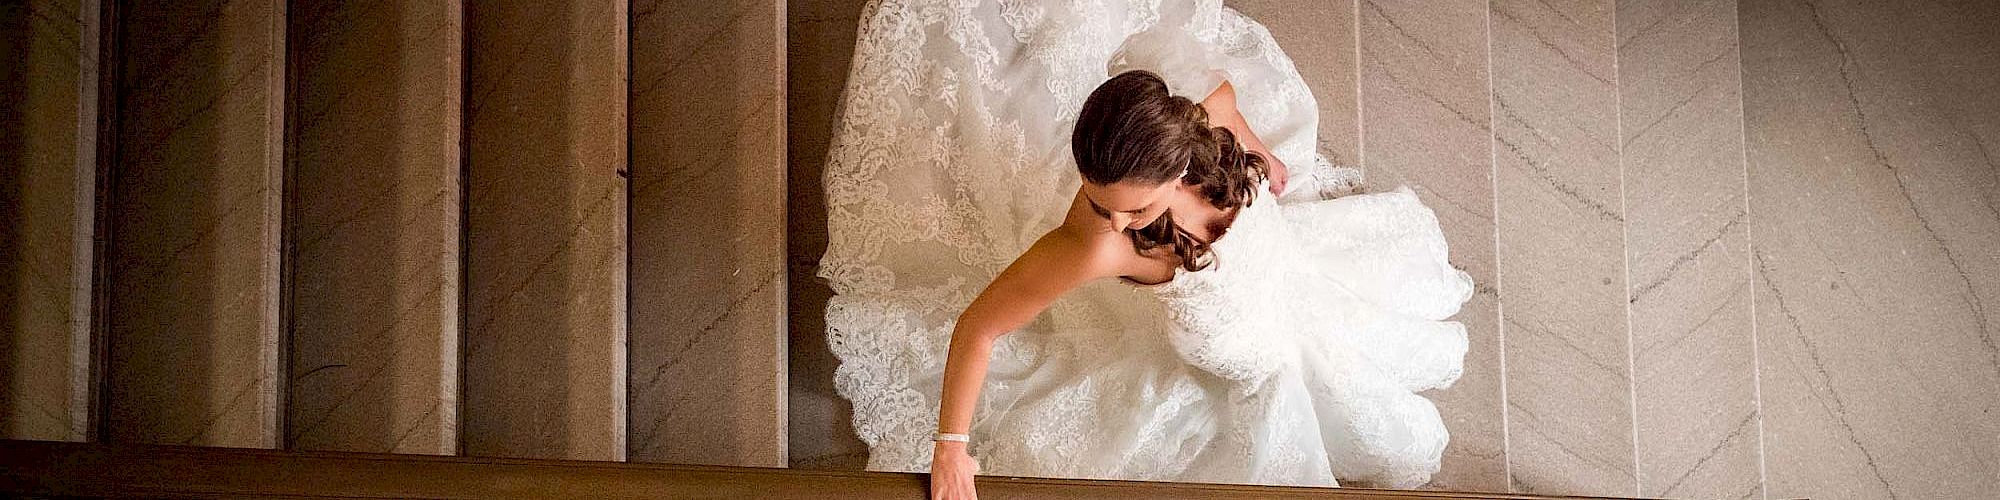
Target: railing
(46, 468)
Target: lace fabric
(1294, 360)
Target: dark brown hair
(1132, 130)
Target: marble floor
(1726, 249)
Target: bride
(1068, 239)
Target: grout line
(1360, 127)
(1749, 260)
(276, 352)
(451, 300)
(782, 407)
(780, 397)
(1625, 230)
(462, 230)
(624, 359)
(1499, 307)
(621, 15)
(90, 27)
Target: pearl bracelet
(946, 436)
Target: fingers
(953, 489)
(952, 482)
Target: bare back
(1086, 248)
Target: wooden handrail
(132, 470)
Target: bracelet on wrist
(946, 436)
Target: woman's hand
(952, 469)
(1278, 174)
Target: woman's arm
(1055, 264)
(1059, 261)
(1221, 107)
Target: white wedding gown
(1294, 360)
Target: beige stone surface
(1561, 253)
(1426, 124)
(1687, 231)
(544, 343)
(708, 364)
(48, 167)
(1320, 38)
(193, 272)
(374, 227)
(1871, 130)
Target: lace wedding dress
(1294, 360)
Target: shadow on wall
(17, 40)
(819, 48)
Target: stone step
(374, 226)
(545, 124)
(48, 176)
(98, 470)
(708, 232)
(193, 229)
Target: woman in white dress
(1069, 239)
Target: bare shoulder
(1220, 104)
(1096, 253)
(1059, 261)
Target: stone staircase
(287, 237)
(545, 230)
